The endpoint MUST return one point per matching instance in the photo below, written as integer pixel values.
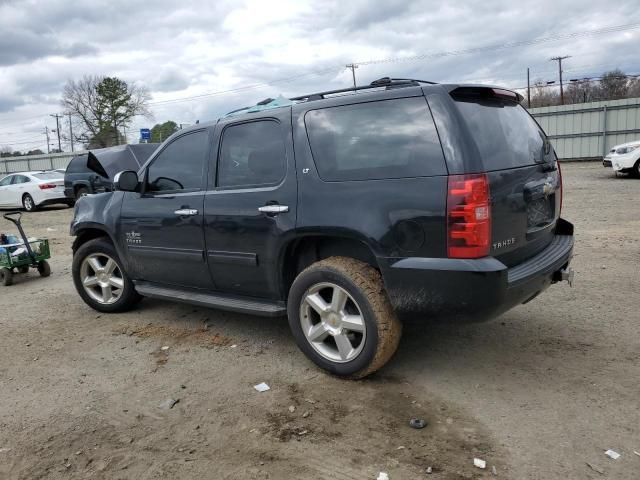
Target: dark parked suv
(344, 211)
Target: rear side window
(180, 165)
(377, 140)
(20, 179)
(77, 164)
(503, 131)
(252, 154)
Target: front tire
(28, 203)
(100, 279)
(341, 317)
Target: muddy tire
(341, 317)
(100, 279)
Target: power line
(502, 46)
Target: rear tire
(44, 269)
(82, 192)
(6, 276)
(357, 331)
(100, 279)
(28, 203)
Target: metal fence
(47, 161)
(587, 131)
(583, 131)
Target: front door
(251, 204)
(162, 226)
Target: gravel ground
(539, 393)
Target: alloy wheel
(332, 322)
(101, 278)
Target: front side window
(180, 165)
(251, 154)
(6, 181)
(376, 140)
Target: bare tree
(543, 95)
(613, 85)
(102, 106)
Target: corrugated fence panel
(588, 130)
(36, 162)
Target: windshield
(505, 134)
(48, 176)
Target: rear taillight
(46, 186)
(560, 180)
(468, 216)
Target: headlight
(625, 150)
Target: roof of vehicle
(380, 85)
(30, 173)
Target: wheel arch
(85, 233)
(307, 248)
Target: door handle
(274, 209)
(186, 212)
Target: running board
(249, 306)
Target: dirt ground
(539, 393)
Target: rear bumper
(473, 290)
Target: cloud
(189, 48)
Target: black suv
(345, 210)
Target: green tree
(102, 107)
(161, 131)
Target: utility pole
(46, 132)
(559, 60)
(528, 90)
(353, 67)
(70, 131)
(58, 117)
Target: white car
(624, 158)
(30, 190)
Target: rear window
(49, 176)
(377, 140)
(503, 131)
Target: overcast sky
(186, 48)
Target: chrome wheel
(101, 278)
(332, 322)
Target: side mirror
(126, 181)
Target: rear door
(524, 179)
(251, 205)
(5, 190)
(20, 185)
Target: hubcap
(332, 322)
(28, 203)
(101, 278)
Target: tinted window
(6, 181)
(20, 179)
(504, 133)
(48, 176)
(251, 154)
(386, 139)
(180, 165)
(77, 164)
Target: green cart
(16, 257)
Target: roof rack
(386, 82)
